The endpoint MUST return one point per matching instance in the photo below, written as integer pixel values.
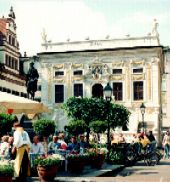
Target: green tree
(76, 127)
(44, 127)
(6, 123)
(98, 126)
(93, 109)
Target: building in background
(133, 66)
(165, 97)
(11, 80)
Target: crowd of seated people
(44, 146)
(139, 141)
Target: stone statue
(44, 36)
(97, 72)
(155, 28)
(31, 81)
(44, 39)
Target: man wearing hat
(22, 146)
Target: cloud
(60, 19)
(63, 19)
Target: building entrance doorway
(97, 90)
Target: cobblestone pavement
(138, 173)
(143, 173)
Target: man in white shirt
(22, 146)
(37, 147)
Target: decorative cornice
(77, 78)
(59, 80)
(76, 65)
(117, 77)
(118, 64)
(58, 66)
(137, 63)
(138, 77)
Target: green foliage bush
(6, 170)
(76, 127)
(91, 110)
(48, 161)
(6, 123)
(117, 154)
(98, 126)
(44, 127)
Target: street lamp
(108, 96)
(142, 109)
(108, 92)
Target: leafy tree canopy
(76, 127)
(98, 126)
(44, 127)
(92, 109)
(6, 123)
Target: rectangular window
(6, 60)
(22, 94)
(10, 61)
(59, 73)
(13, 41)
(59, 93)
(17, 93)
(117, 71)
(4, 89)
(118, 90)
(137, 70)
(13, 63)
(8, 90)
(138, 90)
(39, 87)
(78, 72)
(78, 90)
(16, 64)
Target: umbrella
(16, 105)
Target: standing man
(166, 144)
(22, 146)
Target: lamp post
(108, 96)
(142, 109)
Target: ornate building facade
(165, 97)
(132, 66)
(11, 80)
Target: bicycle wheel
(152, 159)
(130, 157)
(159, 155)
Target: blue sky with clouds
(78, 19)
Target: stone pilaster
(156, 82)
(127, 82)
(44, 81)
(148, 84)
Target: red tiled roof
(3, 22)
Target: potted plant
(76, 162)
(47, 166)
(6, 171)
(97, 157)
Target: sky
(79, 19)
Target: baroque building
(133, 66)
(11, 80)
(165, 97)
